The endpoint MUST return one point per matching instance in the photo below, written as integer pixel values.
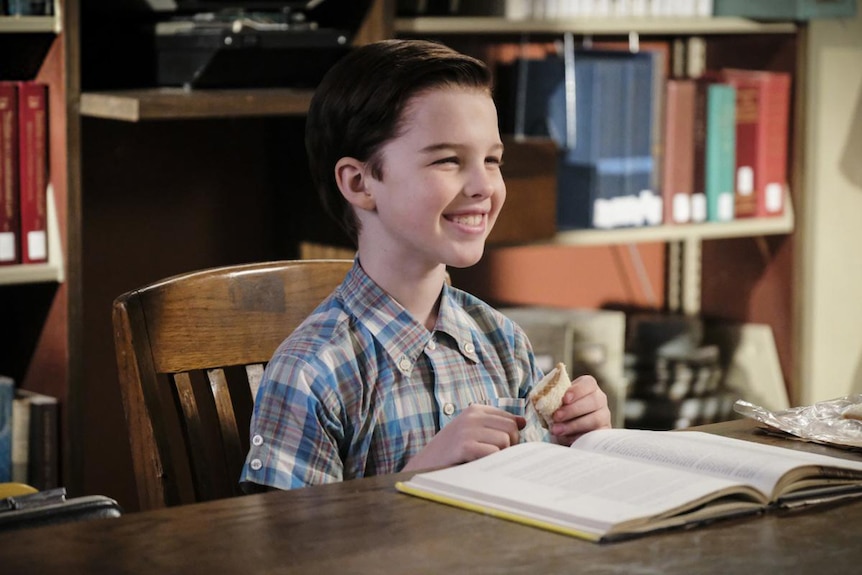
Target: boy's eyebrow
(449, 145)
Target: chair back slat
(191, 351)
(254, 373)
(234, 447)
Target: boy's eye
(447, 160)
(494, 160)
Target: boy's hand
(584, 408)
(476, 432)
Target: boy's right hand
(476, 432)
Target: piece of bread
(547, 395)
(853, 412)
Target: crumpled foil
(822, 422)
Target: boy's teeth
(473, 220)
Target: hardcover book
(786, 9)
(9, 218)
(614, 484)
(39, 422)
(33, 172)
(7, 393)
(762, 132)
(678, 159)
(714, 149)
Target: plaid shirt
(360, 387)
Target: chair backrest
(191, 350)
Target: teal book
(720, 166)
(7, 394)
(785, 9)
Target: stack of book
(29, 437)
(675, 379)
(23, 172)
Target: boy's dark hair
(358, 107)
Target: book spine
(33, 172)
(762, 128)
(698, 194)
(775, 130)
(720, 152)
(749, 103)
(43, 464)
(10, 228)
(20, 437)
(7, 395)
(678, 172)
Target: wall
(830, 359)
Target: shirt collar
(398, 332)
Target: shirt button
(432, 345)
(404, 364)
(257, 440)
(468, 348)
(256, 464)
(448, 409)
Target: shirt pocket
(514, 405)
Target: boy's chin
(465, 260)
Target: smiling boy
(397, 370)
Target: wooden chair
(191, 351)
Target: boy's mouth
(467, 219)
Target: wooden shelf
(52, 270)
(30, 24)
(590, 26)
(180, 104)
(748, 227)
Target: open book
(618, 483)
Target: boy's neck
(418, 290)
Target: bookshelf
(159, 181)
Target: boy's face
(441, 189)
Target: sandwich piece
(547, 395)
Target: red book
(678, 160)
(33, 174)
(762, 133)
(10, 229)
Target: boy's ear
(351, 179)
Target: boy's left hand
(584, 408)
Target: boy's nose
(483, 183)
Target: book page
(755, 464)
(570, 487)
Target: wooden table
(365, 526)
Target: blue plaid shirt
(361, 387)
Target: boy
(396, 370)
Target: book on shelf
(762, 128)
(678, 155)
(714, 151)
(7, 393)
(620, 483)
(33, 172)
(785, 9)
(10, 227)
(36, 436)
